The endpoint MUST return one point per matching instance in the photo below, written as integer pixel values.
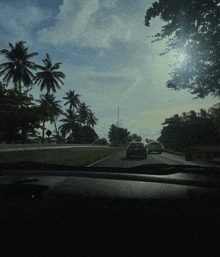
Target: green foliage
(18, 66)
(118, 136)
(181, 132)
(101, 141)
(192, 28)
(135, 137)
(74, 120)
(19, 116)
(83, 135)
(72, 99)
(49, 78)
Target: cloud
(18, 18)
(89, 24)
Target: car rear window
(133, 145)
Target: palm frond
(56, 66)
(41, 67)
(31, 55)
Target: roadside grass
(83, 159)
(206, 154)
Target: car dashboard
(87, 213)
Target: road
(120, 160)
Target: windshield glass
(80, 80)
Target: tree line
(22, 116)
(121, 136)
(192, 30)
(182, 131)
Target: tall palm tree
(70, 122)
(91, 120)
(51, 109)
(83, 113)
(18, 68)
(49, 78)
(73, 99)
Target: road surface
(120, 160)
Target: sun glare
(181, 57)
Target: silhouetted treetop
(192, 29)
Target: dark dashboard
(89, 213)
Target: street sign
(49, 133)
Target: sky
(107, 57)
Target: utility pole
(118, 118)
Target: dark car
(136, 149)
(154, 147)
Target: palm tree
(83, 113)
(51, 109)
(73, 99)
(18, 67)
(49, 78)
(70, 122)
(92, 119)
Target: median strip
(84, 159)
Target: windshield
(80, 80)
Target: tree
(173, 120)
(215, 116)
(50, 110)
(101, 141)
(18, 68)
(184, 116)
(91, 119)
(135, 137)
(19, 116)
(83, 113)
(193, 31)
(52, 107)
(70, 122)
(73, 99)
(49, 78)
(118, 136)
(195, 130)
(192, 115)
(84, 135)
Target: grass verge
(83, 159)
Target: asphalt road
(120, 160)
